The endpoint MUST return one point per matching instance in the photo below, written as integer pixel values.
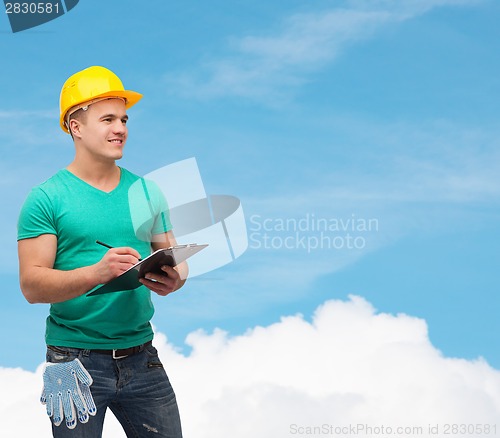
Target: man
(99, 351)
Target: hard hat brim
(131, 98)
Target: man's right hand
(41, 283)
(115, 262)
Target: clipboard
(130, 278)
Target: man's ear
(74, 127)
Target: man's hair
(79, 115)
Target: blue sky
(379, 110)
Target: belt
(124, 352)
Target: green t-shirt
(79, 214)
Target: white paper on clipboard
(130, 278)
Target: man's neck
(102, 176)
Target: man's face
(104, 132)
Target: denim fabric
(135, 388)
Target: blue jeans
(135, 388)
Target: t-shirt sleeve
(148, 210)
(162, 223)
(36, 216)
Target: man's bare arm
(41, 283)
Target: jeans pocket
(153, 359)
(60, 354)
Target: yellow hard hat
(89, 86)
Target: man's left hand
(163, 284)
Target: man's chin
(117, 155)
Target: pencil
(108, 246)
(103, 244)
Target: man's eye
(124, 121)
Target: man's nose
(119, 127)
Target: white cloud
(349, 366)
(266, 68)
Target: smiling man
(99, 349)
